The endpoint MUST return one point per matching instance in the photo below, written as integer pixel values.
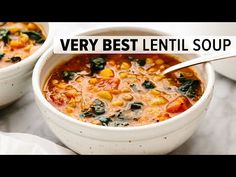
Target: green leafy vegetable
(68, 75)
(4, 35)
(15, 59)
(141, 62)
(148, 85)
(38, 37)
(97, 108)
(105, 120)
(1, 55)
(188, 86)
(97, 64)
(136, 105)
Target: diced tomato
(180, 104)
(109, 84)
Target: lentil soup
(122, 90)
(18, 40)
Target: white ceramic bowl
(85, 138)
(15, 80)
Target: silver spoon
(199, 60)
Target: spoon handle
(199, 60)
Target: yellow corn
(149, 61)
(125, 66)
(158, 101)
(125, 90)
(123, 75)
(93, 81)
(106, 73)
(159, 61)
(127, 97)
(117, 103)
(155, 92)
(105, 95)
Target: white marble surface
(216, 134)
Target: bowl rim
(13, 68)
(49, 53)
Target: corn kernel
(105, 95)
(158, 101)
(149, 61)
(155, 92)
(125, 90)
(106, 73)
(123, 75)
(127, 97)
(115, 91)
(117, 103)
(125, 66)
(159, 61)
(93, 81)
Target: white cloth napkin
(27, 144)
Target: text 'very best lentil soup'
(121, 90)
(18, 40)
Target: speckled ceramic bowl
(15, 80)
(85, 138)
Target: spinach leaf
(1, 55)
(148, 85)
(97, 108)
(15, 59)
(97, 64)
(136, 105)
(188, 86)
(4, 35)
(68, 75)
(141, 62)
(87, 113)
(35, 36)
(105, 120)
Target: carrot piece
(180, 104)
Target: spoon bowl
(199, 60)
